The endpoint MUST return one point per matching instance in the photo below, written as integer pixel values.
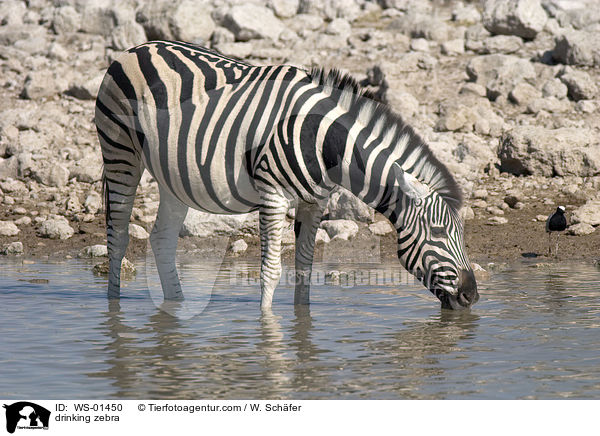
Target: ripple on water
(534, 334)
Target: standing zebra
(227, 137)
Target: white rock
(204, 224)
(93, 202)
(66, 20)
(497, 220)
(453, 47)
(580, 229)
(40, 84)
(23, 221)
(138, 232)
(250, 21)
(98, 250)
(191, 21)
(381, 228)
(577, 48)
(524, 18)
(499, 73)
(52, 175)
(523, 94)
(127, 35)
(8, 228)
(87, 89)
(285, 8)
(533, 150)
(344, 205)
(554, 88)
(238, 246)
(340, 229)
(419, 44)
(322, 236)
(466, 213)
(339, 26)
(56, 228)
(589, 213)
(13, 248)
(580, 85)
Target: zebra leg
(121, 177)
(308, 218)
(272, 222)
(164, 238)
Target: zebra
(227, 137)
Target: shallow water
(535, 333)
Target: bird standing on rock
(556, 222)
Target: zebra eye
(438, 231)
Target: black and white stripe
(227, 137)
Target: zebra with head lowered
(226, 137)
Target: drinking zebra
(226, 137)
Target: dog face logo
(26, 415)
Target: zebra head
(431, 244)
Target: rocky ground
(504, 91)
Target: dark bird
(556, 222)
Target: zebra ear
(411, 186)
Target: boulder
(43, 83)
(98, 250)
(93, 202)
(8, 228)
(580, 229)
(285, 8)
(345, 206)
(185, 20)
(238, 247)
(87, 88)
(524, 18)
(589, 213)
(381, 228)
(56, 228)
(580, 85)
(340, 229)
(532, 150)
(51, 175)
(499, 73)
(577, 48)
(66, 20)
(138, 232)
(14, 248)
(523, 94)
(554, 88)
(202, 224)
(127, 35)
(249, 21)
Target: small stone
(128, 269)
(93, 202)
(480, 194)
(238, 247)
(467, 213)
(23, 221)
(419, 44)
(524, 18)
(340, 229)
(554, 88)
(497, 220)
(14, 248)
(56, 228)
(86, 89)
(285, 8)
(586, 106)
(138, 232)
(381, 228)
(523, 94)
(8, 228)
(589, 213)
(454, 47)
(339, 26)
(98, 250)
(580, 229)
(250, 21)
(541, 218)
(479, 203)
(580, 85)
(494, 210)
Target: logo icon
(26, 415)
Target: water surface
(535, 333)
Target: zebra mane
(403, 140)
